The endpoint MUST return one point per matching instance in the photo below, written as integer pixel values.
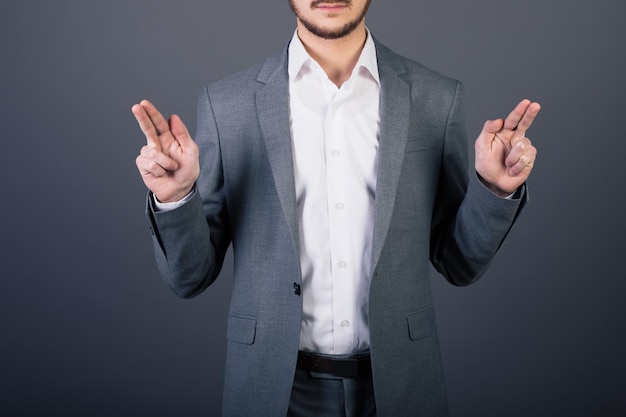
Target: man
(336, 169)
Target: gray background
(88, 327)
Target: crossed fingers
(151, 122)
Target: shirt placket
(338, 216)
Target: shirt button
(345, 323)
(335, 153)
(343, 264)
(296, 288)
(340, 206)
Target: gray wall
(88, 327)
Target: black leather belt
(358, 366)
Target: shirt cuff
(513, 196)
(517, 193)
(158, 206)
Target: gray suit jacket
(426, 208)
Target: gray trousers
(321, 394)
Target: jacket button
(296, 288)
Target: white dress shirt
(335, 145)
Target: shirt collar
(299, 57)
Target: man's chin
(331, 32)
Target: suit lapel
(272, 104)
(272, 101)
(395, 107)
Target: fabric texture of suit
(426, 208)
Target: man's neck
(337, 57)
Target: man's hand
(169, 163)
(504, 155)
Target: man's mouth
(329, 4)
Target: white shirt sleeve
(174, 204)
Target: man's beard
(347, 29)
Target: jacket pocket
(421, 323)
(241, 330)
(420, 145)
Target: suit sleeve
(469, 222)
(190, 242)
